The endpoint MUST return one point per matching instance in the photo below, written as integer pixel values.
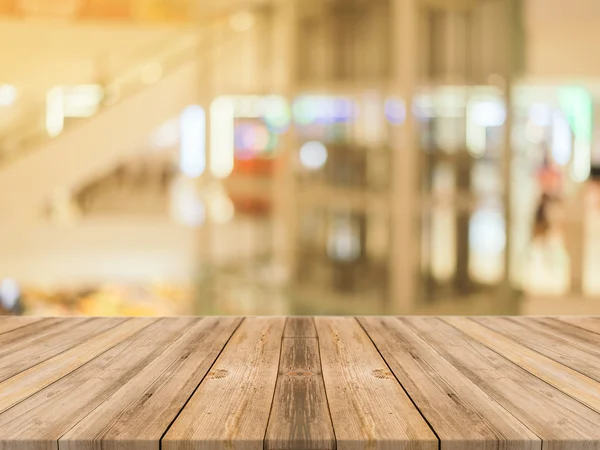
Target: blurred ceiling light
(55, 111)
(8, 94)
(487, 233)
(276, 113)
(152, 73)
(308, 109)
(192, 156)
(241, 21)
(222, 136)
(395, 111)
(562, 140)
(313, 155)
(476, 131)
(488, 113)
(71, 101)
(82, 100)
(422, 107)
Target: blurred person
(546, 224)
(10, 298)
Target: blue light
(395, 111)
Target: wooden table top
(320, 383)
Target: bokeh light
(313, 155)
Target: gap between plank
(523, 368)
(324, 386)
(276, 382)
(76, 368)
(160, 440)
(398, 381)
(110, 396)
(27, 324)
(492, 399)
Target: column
(283, 70)
(404, 195)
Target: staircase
(90, 147)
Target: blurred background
(163, 157)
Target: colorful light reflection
(395, 111)
(310, 109)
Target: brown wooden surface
(300, 414)
(276, 383)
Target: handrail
(170, 57)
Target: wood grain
(303, 327)
(574, 335)
(35, 378)
(558, 419)
(587, 323)
(137, 415)
(9, 323)
(369, 409)
(300, 415)
(327, 383)
(21, 355)
(23, 335)
(534, 335)
(569, 381)
(39, 421)
(230, 409)
(463, 416)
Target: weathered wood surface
(300, 383)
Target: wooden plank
(137, 415)
(24, 335)
(10, 323)
(22, 355)
(575, 335)
(300, 415)
(535, 336)
(587, 323)
(369, 409)
(302, 327)
(463, 416)
(39, 421)
(558, 419)
(35, 378)
(569, 381)
(230, 409)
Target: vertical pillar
(574, 234)
(404, 248)
(204, 302)
(283, 69)
(512, 45)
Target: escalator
(41, 165)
